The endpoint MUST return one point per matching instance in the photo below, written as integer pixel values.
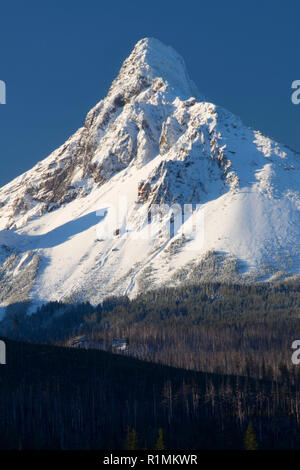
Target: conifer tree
(160, 445)
(131, 439)
(250, 441)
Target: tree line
(65, 398)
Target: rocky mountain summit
(153, 142)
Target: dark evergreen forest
(67, 398)
(230, 329)
(207, 367)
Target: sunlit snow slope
(153, 140)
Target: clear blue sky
(58, 59)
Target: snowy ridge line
(155, 140)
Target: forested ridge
(233, 329)
(67, 398)
(207, 367)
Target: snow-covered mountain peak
(155, 142)
(150, 60)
